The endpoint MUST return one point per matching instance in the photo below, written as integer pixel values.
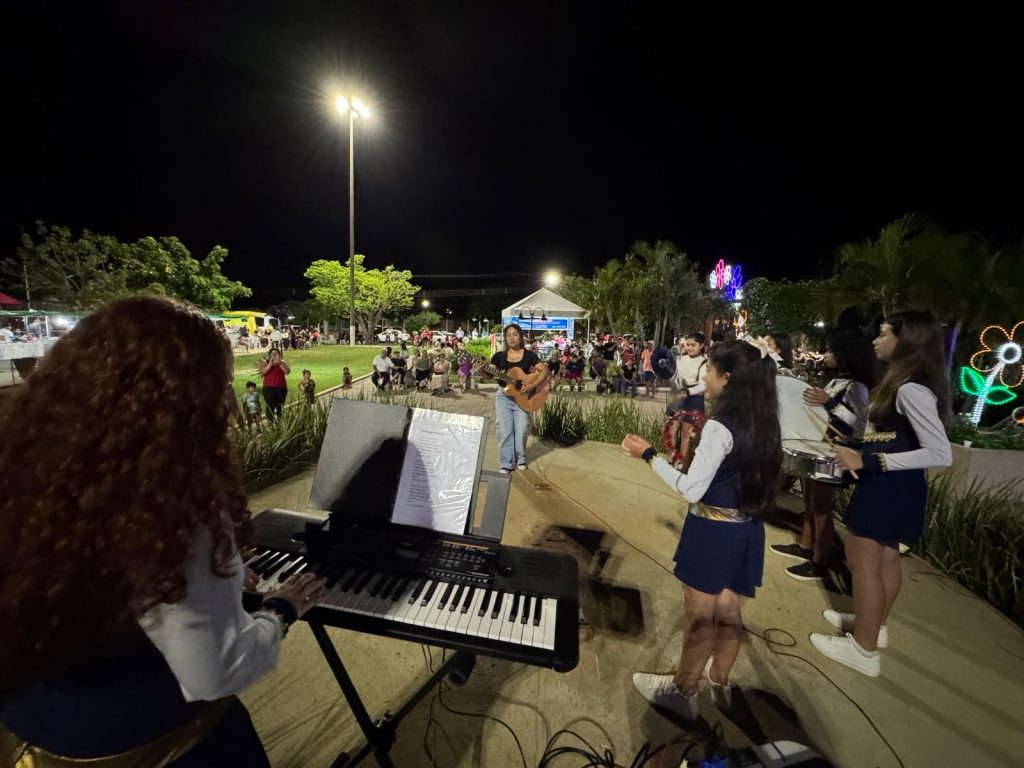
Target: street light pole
(355, 108)
(351, 227)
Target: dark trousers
(274, 397)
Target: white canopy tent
(544, 303)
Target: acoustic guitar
(516, 384)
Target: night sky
(506, 139)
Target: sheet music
(439, 471)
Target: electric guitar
(516, 384)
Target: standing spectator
(293, 342)
(251, 399)
(275, 385)
(650, 383)
(382, 366)
(307, 387)
(459, 333)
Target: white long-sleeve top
(715, 444)
(690, 373)
(920, 406)
(213, 647)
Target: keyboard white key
(548, 622)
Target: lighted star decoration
(999, 357)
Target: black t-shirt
(628, 372)
(530, 359)
(609, 350)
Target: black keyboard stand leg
(380, 736)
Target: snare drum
(812, 459)
(797, 419)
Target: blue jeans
(513, 424)
(627, 385)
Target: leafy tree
(666, 287)
(92, 269)
(425, 319)
(377, 290)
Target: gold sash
(15, 752)
(721, 514)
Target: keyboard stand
(380, 736)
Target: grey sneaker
(844, 650)
(845, 621)
(662, 692)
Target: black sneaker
(792, 550)
(808, 572)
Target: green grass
(325, 363)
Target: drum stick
(829, 426)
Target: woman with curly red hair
(120, 576)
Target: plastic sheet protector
(439, 471)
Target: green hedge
(567, 421)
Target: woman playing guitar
(513, 423)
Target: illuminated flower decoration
(1001, 349)
(718, 276)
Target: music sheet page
(439, 470)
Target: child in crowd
(720, 557)
(465, 370)
(251, 399)
(574, 371)
(691, 369)
(346, 378)
(307, 387)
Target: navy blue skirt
(888, 507)
(714, 555)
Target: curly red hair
(115, 451)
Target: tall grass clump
(976, 537)
(567, 422)
(284, 448)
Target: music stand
(343, 461)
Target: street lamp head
(552, 278)
(355, 106)
(425, 303)
(521, 315)
(342, 105)
(543, 317)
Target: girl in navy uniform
(720, 556)
(905, 436)
(845, 399)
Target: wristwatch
(282, 609)
(649, 454)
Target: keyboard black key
(333, 574)
(430, 591)
(360, 585)
(272, 565)
(496, 610)
(445, 595)
(468, 599)
(455, 598)
(485, 602)
(513, 612)
(538, 601)
(351, 580)
(378, 585)
(400, 586)
(293, 569)
(420, 583)
(385, 591)
(526, 610)
(262, 560)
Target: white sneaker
(844, 621)
(721, 693)
(522, 467)
(845, 650)
(661, 691)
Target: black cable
(792, 644)
(442, 688)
